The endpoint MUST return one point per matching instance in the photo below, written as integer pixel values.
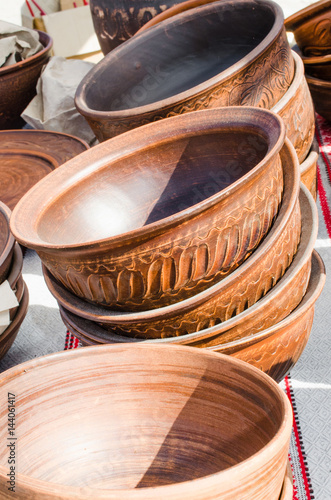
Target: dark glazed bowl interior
(177, 55)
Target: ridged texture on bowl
(145, 423)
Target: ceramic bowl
(144, 423)
(287, 490)
(220, 54)
(7, 242)
(321, 94)
(274, 350)
(311, 28)
(308, 169)
(18, 83)
(297, 110)
(153, 216)
(240, 299)
(9, 335)
(318, 66)
(14, 277)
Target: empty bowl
(18, 83)
(145, 422)
(220, 54)
(160, 213)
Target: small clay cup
(145, 422)
(311, 28)
(161, 213)
(223, 53)
(18, 84)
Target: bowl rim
(312, 157)
(23, 221)
(46, 40)
(325, 59)
(228, 476)
(9, 245)
(317, 82)
(160, 105)
(302, 16)
(106, 315)
(36, 132)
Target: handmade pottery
(308, 169)
(318, 66)
(297, 110)
(14, 278)
(321, 94)
(230, 307)
(18, 84)
(158, 214)
(220, 54)
(7, 242)
(287, 490)
(311, 28)
(9, 335)
(116, 21)
(61, 147)
(145, 422)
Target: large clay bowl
(145, 422)
(7, 242)
(321, 94)
(311, 28)
(308, 169)
(220, 54)
(9, 335)
(162, 212)
(297, 110)
(236, 294)
(274, 350)
(18, 83)
(319, 66)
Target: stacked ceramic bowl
(187, 230)
(14, 295)
(311, 29)
(199, 55)
(146, 422)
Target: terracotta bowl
(311, 28)
(9, 335)
(144, 423)
(308, 169)
(18, 83)
(318, 66)
(120, 234)
(14, 278)
(203, 318)
(7, 242)
(297, 110)
(274, 350)
(321, 94)
(220, 54)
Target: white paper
(4, 320)
(17, 43)
(8, 298)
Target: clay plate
(158, 214)
(238, 301)
(172, 423)
(220, 54)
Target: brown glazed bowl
(220, 54)
(274, 350)
(297, 110)
(160, 213)
(215, 310)
(145, 422)
(9, 335)
(321, 94)
(7, 242)
(308, 169)
(18, 84)
(311, 28)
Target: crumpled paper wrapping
(53, 107)
(17, 43)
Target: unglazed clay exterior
(297, 110)
(147, 64)
(308, 169)
(227, 309)
(312, 28)
(18, 84)
(166, 250)
(318, 66)
(321, 94)
(173, 423)
(7, 242)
